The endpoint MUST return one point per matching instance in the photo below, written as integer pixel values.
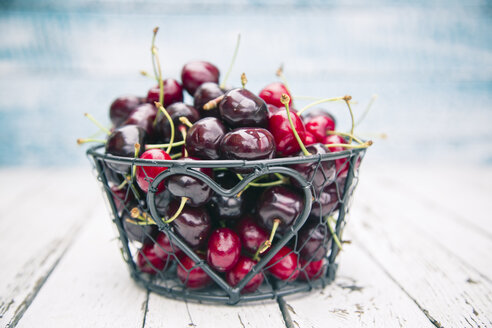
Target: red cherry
(146, 174)
(280, 128)
(196, 73)
(310, 139)
(223, 250)
(341, 164)
(312, 270)
(251, 234)
(191, 275)
(148, 261)
(283, 265)
(319, 125)
(272, 93)
(240, 270)
(173, 92)
(163, 247)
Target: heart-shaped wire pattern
(316, 222)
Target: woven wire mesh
(159, 258)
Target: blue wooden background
(430, 62)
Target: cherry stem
(164, 111)
(81, 141)
(146, 74)
(182, 129)
(264, 184)
(333, 234)
(175, 144)
(120, 186)
(285, 99)
(185, 121)
(213, 103)
(350, 146)
(280, 74)
(233, 60)
(134, 168)
(244, 80)
(135, 192)
(267, 243)
(347, 101)
(368, 108)
(343, 134)
(319, 102)
(178, 212)
(96, 122)
(144, 219)
(152, 50)
(177, 155)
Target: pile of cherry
(230, 233)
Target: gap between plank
(146, 308)
(284, 308)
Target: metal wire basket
(162, 278)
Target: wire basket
(320, 219)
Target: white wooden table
(421, 256)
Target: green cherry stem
(350, 146)
(185, 121)
(137, 151)
(96, 122)
(233, 60)
(347, 101)
(214, 102)
(182, 129)
(319, 102)
(244, 80)
(146, 74)
(343, 134)
(280, 74)
(332, 231)
(285, 99)
(267, 243)
(124, 183)
(175, 144)
(156, 29)
(81, 141)
(143, 219)
(178, 212)
(164, 111)
(177, 155)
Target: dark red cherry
(242, 108)
(196, 73)
(121, 108)
(162, 128)
(272, 93)
(312, 270)
(203, 138)
(206, 92)
(121, 197)
(122, 142)
(162, 200)
(191, 275)
(226, 208)
(223, 249)
(192, 224)
(319, 125)
(248, 144)
(250, 234)
(173, 92)
(197, 191)
(164, 248)
(144, 234)
(280, 128)
(327, 202)
(240, 270)
(314, 240)
(143, 116)
(283, 265)
(320, 175)
(149, 262)
(279, 202)
(145, 175)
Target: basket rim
(203, 163)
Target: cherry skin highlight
(146, 174)
(242, 108)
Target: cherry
(162, 200)
(191, 275)
(226, 208)
(122, 142)
(197, 191)
(146, 174)
(327, 202)
(143, 116)
(280, 128)
(192, 224)
(142, 233)
(248, 144)
(121, 196)
(310, 139)
(312, 270)
(223, 249)
(342, 164)
(206, 92)
(203, 138)
(252, 236)
(162, 128)
(283, 265)
(272, 93)
(173, 92)
(279, 202)
(121, 108)
(242, 108)
(319, 125)
(196, 73)
(314, 240)
(149, 262)
(240, 270)
(164, 248)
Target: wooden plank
(258, 314)
(91, 286)
(456, 236)
(448, 291)
(362, 295)
(37, 229)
